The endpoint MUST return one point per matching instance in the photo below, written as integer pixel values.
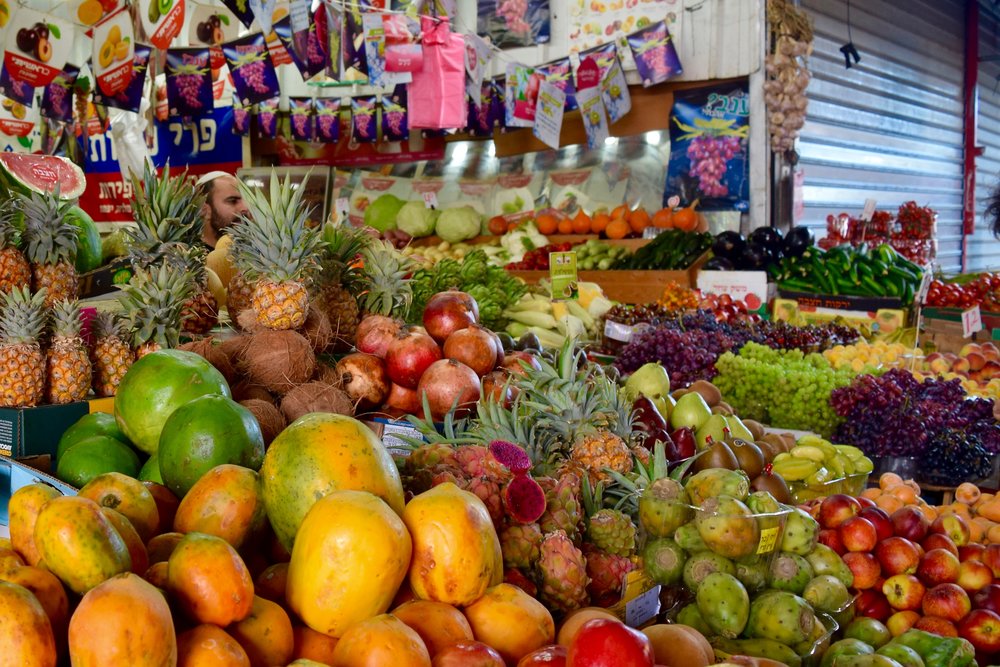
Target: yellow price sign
(768, 540)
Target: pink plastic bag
(437, 93)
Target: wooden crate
(632, 244)
(624, 286)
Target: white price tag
(641, 609)
(972, 321)
(674, 201)
(925, 283)
(869, 210)
(430, 199)
(343, 206)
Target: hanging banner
(92, 12)
(37, 46)
(17, 120)
(212, 26)
(162, 20)
(130, 98)
(15, 90)
(208, 144)
(113, 53)
(57, 98)
(241, 10)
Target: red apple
(938, 566)
(992, 558)
(836, 509)
(872, 603)
(858, 534)
(909, 522)
(901, 621)
(972, 551)
(982, 628)
(831, 538)
(547, 656)
(602, 642)
(468, 654)
(897, 555)
(974, 575)
(865, 568)
(903, 591)
(987, 597)
(947, 601)
(939, 541)
(880, 519)
(866, 502)
(937, 626)
(954, 526)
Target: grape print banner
(300, 110)
(57, 100)
(250, 64)
(511, 23)
(654, 54)
(189, 82)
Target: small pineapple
(167, 213)
(200, 313)
(111, 356)
(609, 530)
(14, 268)
(385, 289)
(599, 450)
(239, 297)
(68, 363)
(22, 363)
(50, 245)
(152, 301)
(562, 573)
(277, 248)
(334, 289)
(519, 543)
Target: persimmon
(639, 220)
(664, 218)
(547, 223)
(565, 226)
(617, 229)
(581, 223)
(686, 219)
(599, 223)
(621, 211)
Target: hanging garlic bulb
(787, 73)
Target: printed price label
(674, 201)
(617, 331)
(972, 321)
(768, 540)
(343, 206)
(430, 199)
(925, 283)
(641, 609)
(562, 274)
(869, 209)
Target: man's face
(225, 204)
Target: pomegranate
(448, 383)
(496, 387)
(474, 347)
(409, 355)
(447, 312)
(364, 379)
(406, 401)
(499, 345)
(512, 362)
(374, 334)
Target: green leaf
(24, 141)
(223, 18)
(54, 30)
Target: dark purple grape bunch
(189, 88)
(326, 125)
(709, 156)
(209, 31)
(253, 75)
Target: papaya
(225, 502)
(209, 644)
(511, 621)
(94, 456)
(22, 512)
(88, 426)
(27, 639)
(266, 634)
(136, 548)
(209, 581)
(128, 496)
(439, 625)
(331, 583)
(456, 551)
(49, 592)
(380, 640)
(319, 453)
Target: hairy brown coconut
(271, 420)
(317, 330)
(246, 391)
(315, 397)
(247, 320)
(279, 360)
(234, 347)
(327, 374)
(214, 354)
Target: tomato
(603, 642)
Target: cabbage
(458, 223)
(381, 213)
(416, 219)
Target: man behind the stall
(223, 207)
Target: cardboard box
(102, 405)
(881, 322)
(843, 302)
(33, 431)
(103, 280)
(14, 474)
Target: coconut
(234, 347)
(279, 360)
(271, 420)
(315, 397)
(247, 320)
(214, 354)
(245, 391)
(327, 374)
(317, 330)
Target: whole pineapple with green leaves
(22, 362)
(383, 284)
(277, 249)
(50, 246)
(167, 212)
(333, 290)
(14, 268)
(152, 302)
(200, 312)
(111, 355)
(68, 361)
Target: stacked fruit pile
(976, 365)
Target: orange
(565, 226)
(639, 220)
(617, 229)
(599, 223)
(664, 218)
(686, 219)
(581, 223)
(547, 223)
(621, 211)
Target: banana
(810, 452)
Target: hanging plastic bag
(437, 93)
(128, 139)
(514, 22)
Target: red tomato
(603, 642)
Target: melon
(89, 254)
(22, 172)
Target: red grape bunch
(513, 12)
(252, 74)
(709, 156)
(189, 86)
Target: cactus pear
(800, 534)
(688, 538)
(663, 507)
(826, 592)
(714, 482)
(758, 648)
(840, 650)
(702, 564)
(781, 616)
(728, 527)
(827, 561)
(752, 574)
(762, 502)
(724, 604)
(818, 640)
(790, 572)
(663, 560)
(690, 615)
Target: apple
(901, 621)
(939, 541)
(973, 575)
(880, 519)
(836, 509)
(872, 603)
(865, 568)
(602, 642)
(947, 601)
(831, 538)
(982, 628)
(992, 558)
(468, 654)
(909, 522)
(938, 566)
(866, 502)
(547, 656)
(897, 555)
(987, 597)
(971, 551)
(954, 526)
(937, 626)
(858, 534)
(903, 591)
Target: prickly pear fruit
(728, 527)
(827, 561)
(781, 616)
(752, 574)
(790, 572)
(826, 592)
(702, 564)
(714, 482)
(663, 560)
(688, 537)
(664, 506)
(758, 648)
(867, 660)
(801, 531)
(690, 615)
(818, 640)
(724, 604)
(762, 502)
(840, 650)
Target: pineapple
(333, 291)
(68, 363)
(152, 301)
(200, 312)
(22, 363)
(277, 249)
(167, 214)
(385, 288)
(111, 356)
(600, 451)
(562, 573)
(239, 297)
(609, 530)
(50, 246)
(14, 268)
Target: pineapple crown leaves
(49, 236)
(626, 489)
(386, 289)
(10, 235)
(593, 497)
(167, 212)
(65, 319)
(152, 301)
(22, 316)
(107, 325)
(342, 244)
(453, 431)
(275, 242)
(190, 259)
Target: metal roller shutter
(983, 251)
(890, 127)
